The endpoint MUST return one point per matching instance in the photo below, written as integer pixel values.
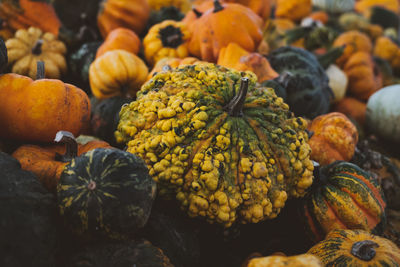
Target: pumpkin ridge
(334, 211)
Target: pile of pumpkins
(124, 121)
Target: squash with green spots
(344, 196)
(227, 149)
(105, 193)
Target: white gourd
(337, 81)
(334, 6)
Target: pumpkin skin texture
(364, 76)
(28, 218)
(354, 41)
(140, 253)
(233, 56)
(306, 83)
(43, 162)
(387, 49)
(219, 25)
(44, 107)
(383, 113)
(356, 248)
(22, 14)
(304, 260)
(335, 138)
(120, 38)
(182, 5)
(293, 10)
(32, 45)
(117, 73)
(192, 150)
(105, 192)
(166, 39)
(131, 14)
(345, 197)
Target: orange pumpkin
(48, 162)
(387, 49)
(37, 110)
(223, 24)
(303, 260)
(335, 138)
(363, 74)
(169, 63)
(120, 38)
(294, 10)
(131, 14)
(353, 41)
(233, 56)
(364, 6)
(352, 108)
(22, 14)
(321, 16)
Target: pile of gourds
(194, 124)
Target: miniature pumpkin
(117, 73)
(32, 45)
(120, 38)
(363, 74)
(219, 26)
(294, 10)
(356, 248)
(365, 6)
(334, 6)
(303, 260)
(166, 39)
(37, 110)
(305, 81)
(387, 49)
(334, 138)
(131, 14)
(233, 56)
(169, 63)
(344, 196)
(105, 192)
(22, 14)
(352, 108)
(182, 5)
(48, 162)
(229, 150)
(383, 113)
(337, 81)
(354, 41)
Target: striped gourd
(334, 6)
(105, 192)
(345, 197)
(227, 149)
(356, 248)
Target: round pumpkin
(383, 113)
(131, 14)
(294, 10)
(218, 26)
(32, 45)
(303, 260)
(48, 162)
(356, 248)
(166, 39)
(227, 149)
(344, 197)
(387, 49)
(37, 110)
(120, 38)
(105, 192)
(334, 138)
(117, 73)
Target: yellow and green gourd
(226, 148)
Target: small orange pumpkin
(334, 138)
(387, 49)
(169, 63)
(352, 108)
(353, 41)
(37, 110)
(303, 260)
(223, 24)
(131, 14)
(120, 38)
(294, 10)
(233, 56)
(48, 162)
(363, 74)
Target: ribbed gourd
(227, 149)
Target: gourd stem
(37, 48)
(235, 106)
(197, 13)
(364, 250)
(91, 185)
(71, 146)
(40, 71)
(217, 6)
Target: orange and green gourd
(227, 149)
